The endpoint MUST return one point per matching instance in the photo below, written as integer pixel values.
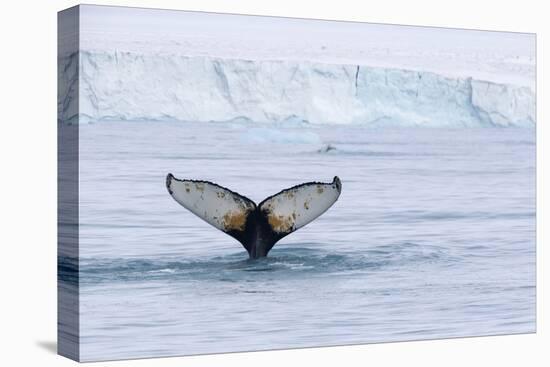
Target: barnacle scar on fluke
(256, 227)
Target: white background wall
(28, 182)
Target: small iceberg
(327, 148)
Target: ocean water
(433, 237)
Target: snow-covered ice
(190, 66)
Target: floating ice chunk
(326, 148)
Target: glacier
(119, 85)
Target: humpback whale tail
(256, 227)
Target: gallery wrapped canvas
(240, 183)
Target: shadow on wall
(48, 345)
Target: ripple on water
(288, 262)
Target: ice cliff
(129, 86)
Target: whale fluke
(256, 227)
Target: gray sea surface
(433, 236)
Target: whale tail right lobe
(256, 227)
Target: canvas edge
(68, 301)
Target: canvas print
(235, 183)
